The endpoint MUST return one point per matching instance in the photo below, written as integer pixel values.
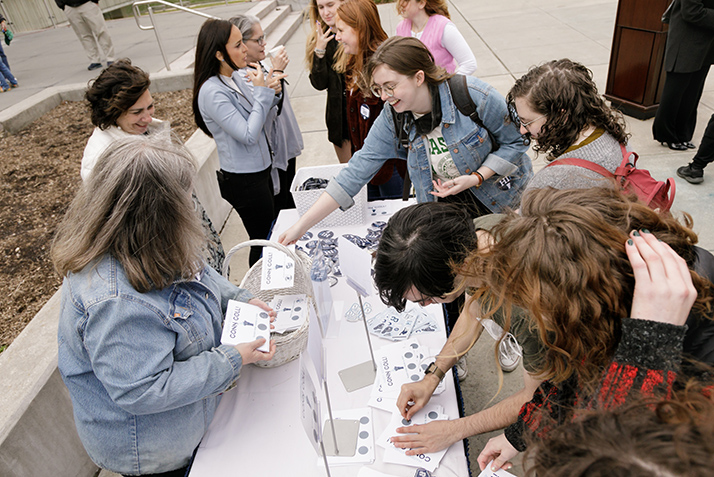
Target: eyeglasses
(260, 40)
(388, 89)
(525, 125)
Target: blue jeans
(6, 74)
(3, 57)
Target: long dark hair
(564, 91)
(212, 38)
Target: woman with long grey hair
(141, 312)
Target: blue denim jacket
(469, 144)
(144, 370)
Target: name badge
(364, 111)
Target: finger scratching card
(245, 323)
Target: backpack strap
(574, 161)
(465, 104)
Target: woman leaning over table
(226, 110)
(141, 313)
(448, 155)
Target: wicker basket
(291, 343)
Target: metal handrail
(137, 14)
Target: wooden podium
(636, 75)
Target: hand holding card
(250, 352)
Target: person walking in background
(430, 22)
(320, 53)
(687, 58)
(5, 73)
(88, 23)
(694, 171)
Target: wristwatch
(434, 369)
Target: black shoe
(690, 174)
(109, 63)
(675, 146)
(94, 66)
(690, 145)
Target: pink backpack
(656, 194)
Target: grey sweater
(600, 147)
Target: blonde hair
(137, 207)
(363, 17)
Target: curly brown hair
(563, 259)
(114, 91)
(564, 92)
(673, 437)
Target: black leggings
(251, 195)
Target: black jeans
(251, 195)
(677, 112)
(284, 200)
(705, 154)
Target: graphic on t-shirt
(442, 165)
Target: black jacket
(690, 39)
(322, 77)
(73, 3)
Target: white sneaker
(461, 369)
(509, 351)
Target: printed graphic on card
(245, 323)
(291, 312)
(390, 364)
(396, 455)
(278, 270)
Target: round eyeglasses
(387, 89)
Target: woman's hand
(498, 450)
(255, 74)
(323, 37)
(274, 81)
(280, 61)
(664, 291)
(262, 305)
(250, 353)
(454, 186)
(426, 438)
(291, 235)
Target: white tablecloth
(257, 428)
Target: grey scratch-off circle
(364, 420)
(263, 314)
(408, 354)
(297, 308)
(433, 415)
(415, 377)
(314, 435)
(411, 366)
(262, 327)
(260, 336)
(406, 422)
(363, 435)
(415, 345)
(295, 317)
(363, 450)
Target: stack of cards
(393, 325)
(396, 455)
(245, 323)
(364, 453)
(291, 312)
(398, 364)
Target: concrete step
(278, 22)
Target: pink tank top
(431, 37)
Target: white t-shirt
(442, 164)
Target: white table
(257, 428)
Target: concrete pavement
(507, 37)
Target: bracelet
(481, 181)
(320, 52)
(278, 71)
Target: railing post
(158, 38)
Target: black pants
(677, 112)
(251, 195)
(284, 200)
(705, 154)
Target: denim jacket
(237, 121)
(144, 370)
(469, 144)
